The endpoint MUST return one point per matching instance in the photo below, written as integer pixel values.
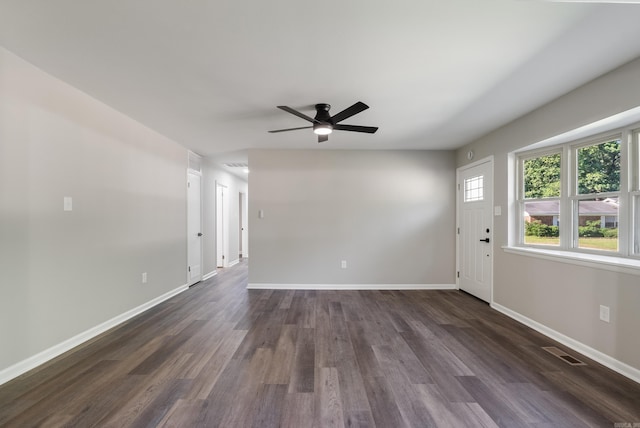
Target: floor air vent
(563, 356)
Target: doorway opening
(242, 227)
(194, 228)
(222, 229)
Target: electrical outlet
(144, 277)
(604, 313)
(343, 265)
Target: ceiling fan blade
(323, 138)
(356, 128)
(349, 111)
(297, 113)
(290, 129)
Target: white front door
(475, 229)
(194, 229)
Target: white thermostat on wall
(470, 154)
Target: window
(582, 196)
(540, 206)
(597, 195)
(473, 189)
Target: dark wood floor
(220, 355)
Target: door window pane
(542, 176)
(542, 222)
(599, 168)
(598, 224)
(473, 189)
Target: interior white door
(194, 229)
(222, 231)
(475, 229)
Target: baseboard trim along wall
(233, 263)
(604, 359)
(210, 275)
(270, 286)
(34, 361)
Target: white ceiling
(209, 73)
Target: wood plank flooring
(219, 355)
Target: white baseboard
(34, 361)
(233, 263)
(271, 286)
(604, 359)
(210, 275)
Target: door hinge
(189, 268)
(458, 186)
(188, 184)
(222, 257)
(458, 274)
(458, 231)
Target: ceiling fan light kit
(322, 129)
(324, 124)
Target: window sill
(596, 261)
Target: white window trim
(627, 259)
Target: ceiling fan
(324, 123)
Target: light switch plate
(68, 203)
(497, 210)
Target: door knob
(485, 240)
(199, 233)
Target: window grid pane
(598, 224)
(599, 168)
(635, 160)
(541, 222)
(542, 176)
(636, 238)
(474, 189)
(635, 173)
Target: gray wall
(213, 173)
(565, 297)
(62, 273)
(389, 214)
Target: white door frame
(459, 191)
(193, 229)
(242, 230)
(222, 225)
(245, 225)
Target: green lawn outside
(606, 244)
(541, 240)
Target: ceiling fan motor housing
(322, 114)
(323, 119)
